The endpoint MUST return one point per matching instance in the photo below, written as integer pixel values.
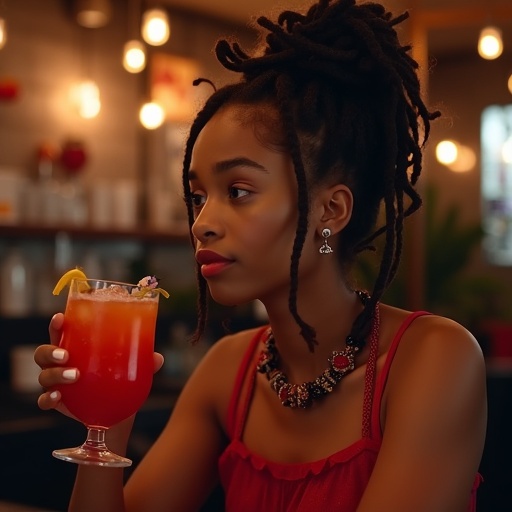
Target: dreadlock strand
(283, 87)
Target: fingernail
(54, 395)
(69, 374)
(58, 354)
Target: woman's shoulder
(231, 348)
(425, 332)
(214, 378)
(433, 347)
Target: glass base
(89, 456)
(93, 452)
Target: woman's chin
(229, 299)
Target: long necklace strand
(340, 363)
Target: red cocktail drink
(110, 339)
(109, 333)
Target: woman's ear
(335, 204)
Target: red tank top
(252, 483)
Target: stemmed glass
(109, 332)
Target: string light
(490, 43)
(134, 59)
(155, 27)
(446, 152)
(457, 157)
(134, 53)
(151, 115)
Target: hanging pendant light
(151, 115)
(92, 13)
(490, 43)
(134, 57)
(155, 27)
(134, 53)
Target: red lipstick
(211, 263)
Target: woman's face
(245, 201)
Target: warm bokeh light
(151, 115)
(155, 27)
(510, 83)
(490, 43)
(86, 97)
(3, 33)
(446, 152)
(134, 57)
(465, 161)
(457, 157)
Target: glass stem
(95, 439)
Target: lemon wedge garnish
(74, 273)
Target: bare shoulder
(438, 371)
(433, 417)
(427, 336)
(227, 353)
(437, 342)
(214, 377)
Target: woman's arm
(434, 422)
(180, 470)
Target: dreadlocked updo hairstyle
(347, 96)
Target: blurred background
(95, 103)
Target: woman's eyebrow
(226, 165)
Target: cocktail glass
(109, 332)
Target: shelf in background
(178, 233)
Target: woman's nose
(206, 224)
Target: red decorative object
(340, 361)
(73, 156)
(9, 89)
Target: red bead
(283, 394)
(340, 362)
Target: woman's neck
(330, 313)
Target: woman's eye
(197, 200)
(237, 193)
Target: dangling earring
(326, 248)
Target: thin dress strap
(376, 430)
(235, 424)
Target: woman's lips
(211, 263)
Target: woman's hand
(52, 361)
(54, 371)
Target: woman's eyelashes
(238, 192)
(197, 200)
(233, 193)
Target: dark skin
(433, 413)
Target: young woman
(342, 403)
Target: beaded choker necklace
(340, 363)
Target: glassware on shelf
(15, 284)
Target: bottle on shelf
(16, 282)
